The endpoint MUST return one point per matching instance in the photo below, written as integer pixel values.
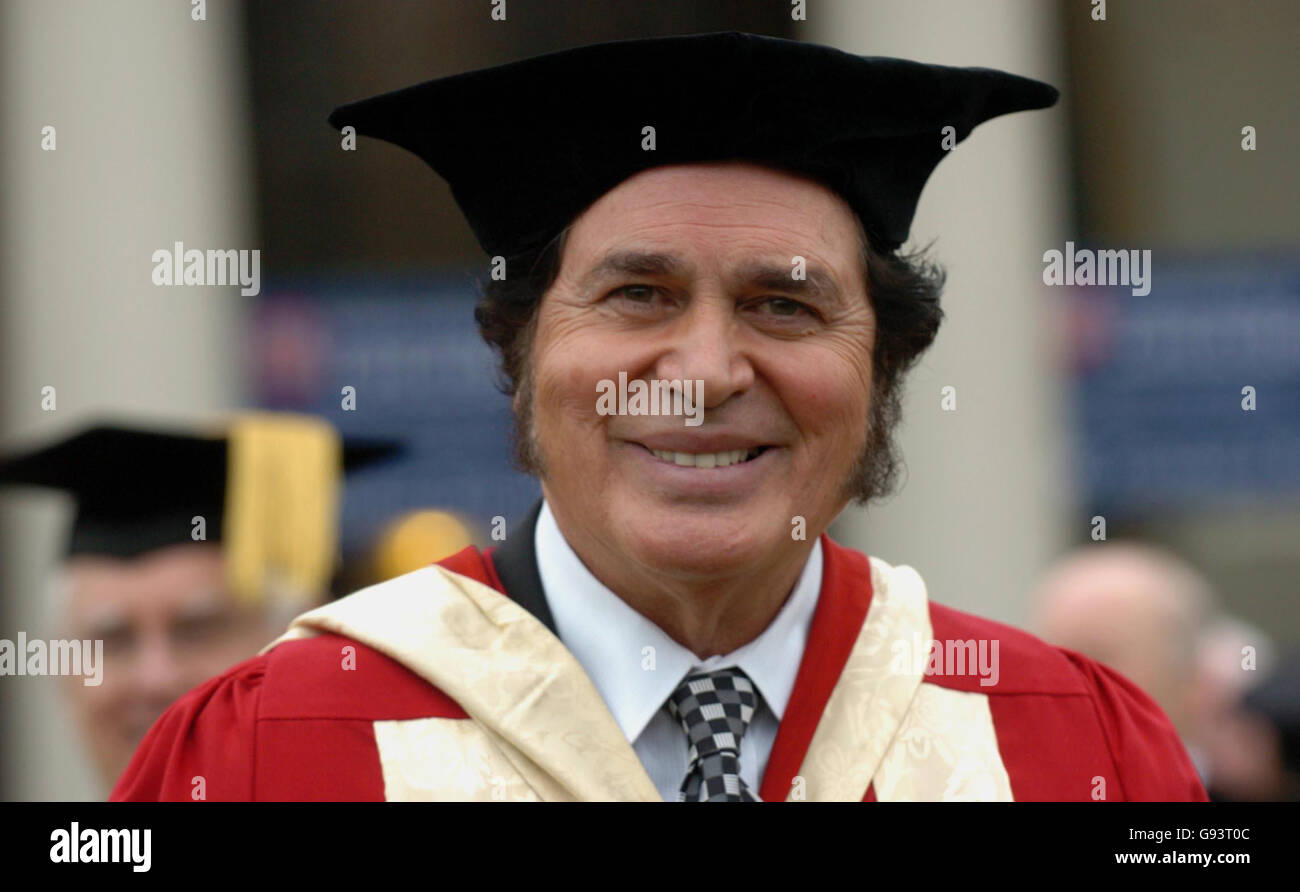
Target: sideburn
(527, 454)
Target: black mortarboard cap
(138, 489)
(527, 146)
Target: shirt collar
(616, 645)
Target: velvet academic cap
(264, 484)
(527, 146)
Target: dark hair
(903, 288)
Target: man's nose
(707, 347)
(157, 670)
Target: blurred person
(1149, 615)
(722, 213)
(1137, 609)
(1238, 748)
(188, 552)
(1274, 704)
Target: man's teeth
(706, 459)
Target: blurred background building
(1072, 404)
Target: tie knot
(714, 709)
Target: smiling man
(671, 622)
(684, 272)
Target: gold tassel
(282, 500)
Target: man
(1240, 748)
(719, 216)
(187, 553)
(1138, 610)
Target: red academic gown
(288, 725)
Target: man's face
(687, 273)
(168, 623)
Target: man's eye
(117, 641)
(201, 628)
(641, 294)
(784, 306)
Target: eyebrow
(635, 263)
(817, 283)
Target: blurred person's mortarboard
(527, 146)
(265, 486)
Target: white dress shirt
(611, 640)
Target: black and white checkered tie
(714, 709)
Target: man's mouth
(708, 459)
